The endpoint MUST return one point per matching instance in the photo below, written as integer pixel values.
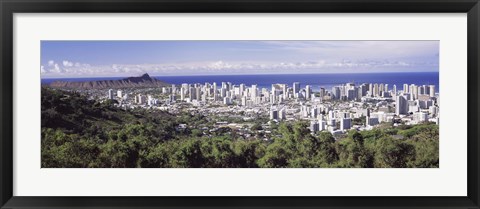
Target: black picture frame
(10, 7)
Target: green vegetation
(77, 132)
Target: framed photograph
(239, 104)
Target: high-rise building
(381, 88)
(141, 99)
(370, 89)
(433, 110)
(351, 94)
(279, 89)
(322, 125)
(198, 93)
(432, 90)
(254, 92)
(332, 123)
(150, 100)
(336, 92)
(426, 89)
(119, 94)
(285, 91)
(401, 105)
(314, 126)
(345, 123)
(227, 101)
(273, 114)
(242, 89)
(322, 92)
(223, 92)
(363, 90)
(282, 114)
(110, 94)
(191, 93)
(244, 101)
(405, 88)
(215, 92)
(186, 86)
(413, 92)
(308, 92)
(331, 115)
(182, 94)
(229, 86)
(314, 112)
(296, 87)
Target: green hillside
(78, 132)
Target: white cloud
(57, 68)
(68, 69)
(67, 63)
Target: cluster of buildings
(343, 107)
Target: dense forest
(78, 132)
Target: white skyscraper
(119, 94)
(370, 89)
(308, 92)
(296, 89)
(282, 115)
(242, 89)
(110, 94)
(254, 92)
(376, 90)
(314, 112)
(412, 90)
(215, 96)
(432, 90)
(182, 94)
(322, 125)
(331, 115)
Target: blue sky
(131, 58)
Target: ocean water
(315, 80)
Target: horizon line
(151, 75)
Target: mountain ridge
(143, 81)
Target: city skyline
(240, 104)
(70, 59)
